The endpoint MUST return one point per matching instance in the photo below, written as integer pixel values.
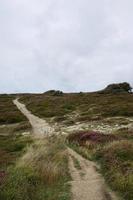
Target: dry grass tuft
(116, 161)
(46, 159)
(42, 173)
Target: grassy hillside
(8, 111)
(29, 168)
(88, 106)
(12, 142)
(114, 154)
(42, 173)
(112, 150)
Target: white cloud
(68, 45)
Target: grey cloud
(78, 45)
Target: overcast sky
(71, 45)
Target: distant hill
(118, 88)
(54, 92)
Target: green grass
(90, 106)
(124, 133)
(42, 173)
(30, 170)
(12, 124)
(9, 113)
(11, 147)
(115, 159)
(76, 163)
(16, 128)
(25, 184)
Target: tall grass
(116, 161)
(115, 158)
(9, 113)
(42, 173)
(12, 147)
(48, 160)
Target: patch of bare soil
(40, 127)
(87, 183)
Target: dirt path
(40, 127)
(87, 183)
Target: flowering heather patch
(91, 136)
(116, 161)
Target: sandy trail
(87, 183)
(40, 127)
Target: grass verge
(11, 147)
(115, 158)
(9, 114)
(76, 163)
(42, 173)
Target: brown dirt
(40, 127)
(87, 183)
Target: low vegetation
(116, 161)
(29, 168)
(12, 125)
(76, 163)
(83, 106)
(15, 128)
(38, 169)
(42, 173)
(9, 113)
(114, 154)
(11, 147)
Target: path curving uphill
(40, 127)
(87, 183)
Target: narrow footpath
(40, 127)
(87, 183)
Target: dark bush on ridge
(118, 88)
(54, 92)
